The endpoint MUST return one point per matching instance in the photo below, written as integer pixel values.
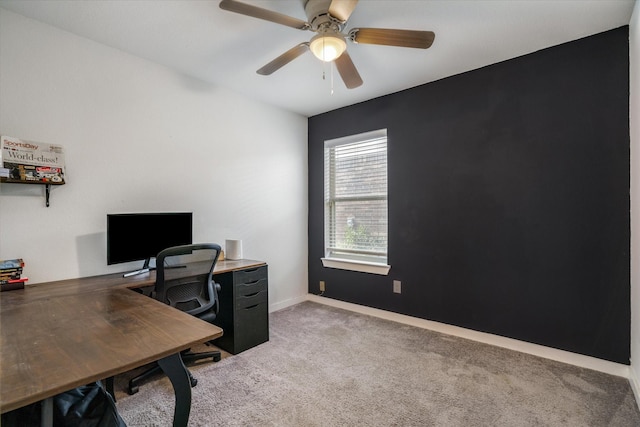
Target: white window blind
(356, 197)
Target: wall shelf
(47, 184)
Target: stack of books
(11, 274)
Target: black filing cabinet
(244, 309)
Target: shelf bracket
(47, 193)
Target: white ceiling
(223, 48)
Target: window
(355, 188)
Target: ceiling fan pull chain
(330, 65)
(324, 74)
(326, 64)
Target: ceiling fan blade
(342, 9)
(402, 38)
(348, 71)
(284, 59)
(260, 13)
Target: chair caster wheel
(132, 389)
(193, 381)
(217, 357)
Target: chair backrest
(189, 289)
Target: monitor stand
(145, 269)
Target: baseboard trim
(635, 383)
(284, 304)
(583, 361)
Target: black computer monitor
(140, 236)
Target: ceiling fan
(328, 19)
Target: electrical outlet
(397, 286)
(321, 285)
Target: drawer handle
(251, 306)
(251, 283)
(252, 295)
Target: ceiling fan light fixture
(327, 47)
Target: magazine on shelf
(31, 161)
(11, 263)
(10, 285)
(11, 281)
(10, 276)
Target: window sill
(362, 266)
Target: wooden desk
(110, 281)
(60, 335)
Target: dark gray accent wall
(508, 198)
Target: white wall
(634, 115)
(141, 137)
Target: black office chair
(194, 294)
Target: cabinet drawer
(248, 289)
(249, 276)
(252, 326)
(252, 300)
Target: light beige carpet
(325, 366)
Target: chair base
(187, 357)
